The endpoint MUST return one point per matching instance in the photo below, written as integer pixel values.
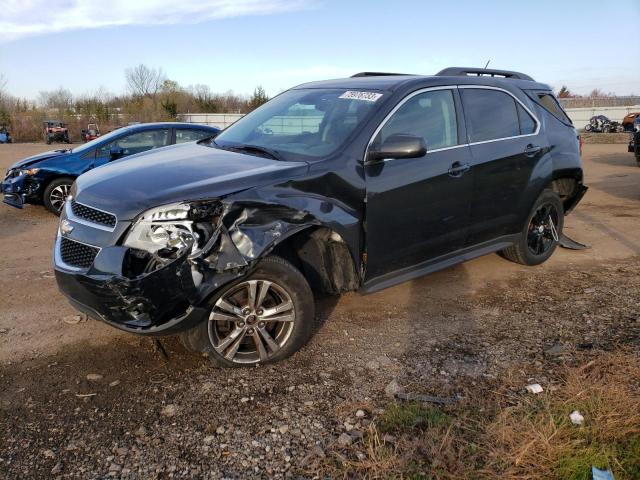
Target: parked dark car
(634, 142)
(628, 121)
(55, 131)
(332, 186)
(46, 178)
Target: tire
(287, 286)
(523, 251)
(55, 193)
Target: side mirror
(116, 153)
(399, 145)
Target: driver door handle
(532, 150)
(458, 169)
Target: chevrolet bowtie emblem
(65, 227)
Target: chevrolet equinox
(332, 186)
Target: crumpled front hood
(188, 171)
(32, 160)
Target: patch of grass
(413, 415)
(536, 439)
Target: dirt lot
(475, 335)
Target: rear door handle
(532, 150)
(458, 169)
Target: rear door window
(527, 123)
(490, 114)
(184, 135)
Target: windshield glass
(98, 141)
(310, 123)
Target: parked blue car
(46, 178)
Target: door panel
(418, 209)
(504, 150)
(502, 172)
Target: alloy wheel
(542, 232)
(58, 196)
(252, 321)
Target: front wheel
(541, 233)
(260, 319)
(56, 193)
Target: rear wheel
(263, 318)
(56, 193)
(541, 233)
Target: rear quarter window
(549, 102)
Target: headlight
(171, 229)
(30, 171)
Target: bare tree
(143, 81)
(60, 99)
(3, 86)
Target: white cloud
(23, 18)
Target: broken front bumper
(18, 190)
(159, 303)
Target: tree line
(150, 97)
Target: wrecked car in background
(46, 178)
(334, 186)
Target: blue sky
(238, 44)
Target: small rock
(344, 440)
(94, 377)
(220, 430)
(360, 413)
(555, 350)
(347, 426)
(372, 365)
(114, 467)
(122, 451)
(388, 438)
(393, 388)
(308, 403)
(244, 399)
(208, 440)
(141, 432)
(361, 456)
(57, 468)
(72, 319)
(115, 383)
(3, 331)
(384, 361)
(169, 410)
(576, 417)
(49, 454)
(283, 429)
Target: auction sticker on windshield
(366, 96)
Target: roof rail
(376, 74)
(482, 72)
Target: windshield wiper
(257, 149)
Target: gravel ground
(80, 400)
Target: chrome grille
(93, 215)
(77, 254)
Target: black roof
(449, 76)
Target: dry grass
(536, 439)
(498, 435)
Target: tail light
(581, 142)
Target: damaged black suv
(333, 186)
